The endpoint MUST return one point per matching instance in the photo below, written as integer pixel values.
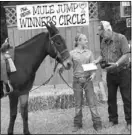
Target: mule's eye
(58, 43)
(52, 42)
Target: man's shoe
(111, 124)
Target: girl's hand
(95, 62)
(92, 76)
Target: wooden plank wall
(16, 37)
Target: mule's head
(57, 47)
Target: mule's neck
(33, 51)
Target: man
(6, 59)
(114, 59)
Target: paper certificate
(89, 67)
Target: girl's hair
(77, 38)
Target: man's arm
(123, 59)
(98, 60)
(124, 49)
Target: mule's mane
(33, 38)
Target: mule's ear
(53, 27)
(47, 26)
(50, 30)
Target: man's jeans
(123, 80)
(90, 98)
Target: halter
(58, 54)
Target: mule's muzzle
(67, 64)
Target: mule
(27, 58)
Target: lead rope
(64, 80)
(56, 63)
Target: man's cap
(105, 25)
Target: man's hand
(111, 67)
(97, 61)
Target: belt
(118, 70)
(82, 79)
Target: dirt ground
(60, 121)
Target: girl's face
(83, 40)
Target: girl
(83, 81)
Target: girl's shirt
(80, 57)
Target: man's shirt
(80, 57)
(112, 50)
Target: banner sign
(61, 14)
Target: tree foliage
(110, 11)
